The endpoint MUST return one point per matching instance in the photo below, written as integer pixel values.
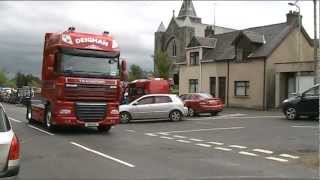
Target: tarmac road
(236, 144)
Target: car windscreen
(4, 122)
(205, 96)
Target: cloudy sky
(23, 24)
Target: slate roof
(200, 27)
(202, 41)
(269, 36)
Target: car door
(6, 135)
(162, 106)
(143, 108)
(309, 103)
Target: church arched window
(174, 48)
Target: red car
(202, 103)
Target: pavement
(236, 144)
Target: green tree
(162, 64)
(3, 78)
(135, 72)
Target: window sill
(241, 97)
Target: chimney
(293, 17)
(209, 31)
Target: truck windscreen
(88, 65)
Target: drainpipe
(264, 85)
(228, 74)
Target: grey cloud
(24, 24)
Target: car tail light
(203, 103)
(14, 149)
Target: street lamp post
(298, 43)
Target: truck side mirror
(50, 65)
(123, 70)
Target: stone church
(175, 38)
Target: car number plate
(91, 124)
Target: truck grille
(90, 92)
(91, 112)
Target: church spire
(187, 9)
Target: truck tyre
(175, 115)
(104, 128)
(48, 119)
(125, 117)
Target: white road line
(203, 145)
(15, 120)
(277, 159)
(165, 137)
(102, 154)
(183, 141)
(198, 140)
(237, 146)
(305, 126)
(150, 134)
(41, 130)
(263, 151)
(129, 130)
(242, 117)
(247, 153)
(231, 115)
(177, 136)
(289, 156)
(215, 143)
(196, 130)
(163, 133)
(223, 149)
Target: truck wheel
(48, 119)
(104, 128)
(124, 117)
(175, 116)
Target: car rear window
(162, 99)
(4, 122)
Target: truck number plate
(91, 124)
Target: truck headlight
(64, 111)
(114, 112)
(72, 85)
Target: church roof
(187, 9)
(161, 27)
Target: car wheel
(191, 112)
(125, 117)
(29, 115)
(104, 128)
(175, 115)
(214, 113)
(291, 113)
(48, 119)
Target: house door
(222, 88)
(213, 86)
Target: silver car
(154, 106)
(9, 147)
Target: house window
(194, 58)
(193, 85)
(241, 88)
(174, 48)
(243, 53)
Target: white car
(9, 147)
(154, 106)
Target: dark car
(202, 103)
(306, 104)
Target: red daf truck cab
(81, 76)
(140, 87)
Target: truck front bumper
(74, 121)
